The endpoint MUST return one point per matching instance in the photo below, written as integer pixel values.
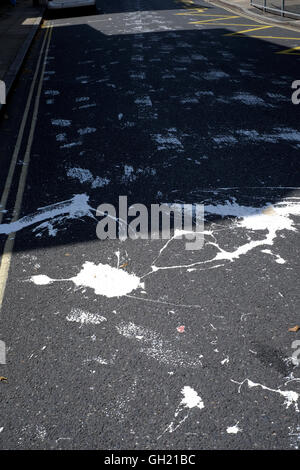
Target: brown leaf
(3, 379)
(295, 329)
(124, 265)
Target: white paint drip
(190, 400)
(102, 278)
(290, 397)
(270, 219)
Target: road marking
(13, 162)
(225, 24)
(275, 37)
(215, 19)
(291, 50)
(9, 244)
(249, 30)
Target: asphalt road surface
(142, 344)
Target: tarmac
(19, 25)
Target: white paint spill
(290, 397)
(86, 130)
(233, 429)
(82, 99)
(167, 141)
(190, 400)
(61, 122)
(74, 208)
(61, 137)
(285, 134)
(85, 176)
(226, 139)
(251, 100)
(144, 100)
(102, 278)
(70, 145)
(85, 318)
(215, 75)
(271, 219)
(51, 92)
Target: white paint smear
(85, 176)
(154, 346)
(74, 208)
(250, 100)
(102, 278)
(85, 318)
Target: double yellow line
(9, 244)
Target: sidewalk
(18, 26)
(243, 7)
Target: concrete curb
(14, 69)
(256, 16)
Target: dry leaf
(295, 329)
(124, 265)
(3, 379)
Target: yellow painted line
(275, 37)
(214, 19)
(290, 51)
(193, 12)
(222, 24)
(9, 244)
(249, 30)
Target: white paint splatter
(102, 278)
(190, 400)
(290, 397)
(233, 429)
